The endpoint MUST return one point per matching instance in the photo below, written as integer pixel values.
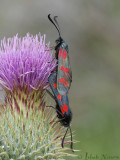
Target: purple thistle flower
(26, 125)
(25, 61)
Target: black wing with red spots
(61, 100)
(64, 73)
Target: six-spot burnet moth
(62, 106)
(60, 81)
(64, 73)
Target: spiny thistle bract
(27, 127)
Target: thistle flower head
(26, 62)
(28, 129)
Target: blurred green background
(92, 30)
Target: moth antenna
(71, 145)
(55, 19)
(64, 138)
(53, 24)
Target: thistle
(27, 130)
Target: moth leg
(51, 48)
(51, 62)
(56, 110)
(51, 107)
(51, 95)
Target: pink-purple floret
(25, 61)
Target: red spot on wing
(55, 85)
(59, 97)
(66, 70)
(60, 52)
(66, 84)
(65, 107)
(64, 56)
(62, 80)
(61, 68)
(62, 109)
